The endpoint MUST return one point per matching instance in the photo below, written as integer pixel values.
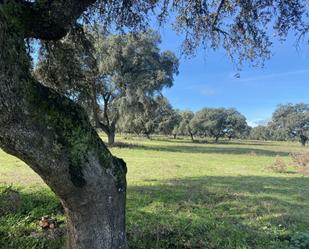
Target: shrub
(279, 166)
(300, 241)
(302, 162)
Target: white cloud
(257, 122)
(202, 89)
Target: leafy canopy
(219, 122)
(244, 28)
(292, 119)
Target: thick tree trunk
(95, 219)
(175, 135)
(54, 137)
(192, 138)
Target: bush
(300, 241)
(279, 166)
(302, 162)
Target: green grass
(184, 195)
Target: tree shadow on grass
(19, 226)
(210, 212)
(218, 212)
(222, 141)
(209, 149)
(185, 146)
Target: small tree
(293, 119)
(219, 122)
(209, 122)
(170, 120)
(177, 118)
(185, 127)
(260, 133)
(151, 115)
(236, 124)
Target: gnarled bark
(55, 138)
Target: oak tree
(219, 122)
(292, 119)
(106, 74)
(185, 126)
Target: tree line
(289, 122)
(209, 122)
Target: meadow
(180, 195)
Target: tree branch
(214, 23)
(50, 20)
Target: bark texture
(54, 136)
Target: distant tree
(261, 133)
(246, 133)
(185, 127)
(280, 135)
(293, 119)
(236, 124)
(142, 121)
(170, 118)
(151, 115)
(175, 130)
(219, 122)
(107, 73)
(176, 117)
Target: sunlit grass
(186, 195)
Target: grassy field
(182, 195)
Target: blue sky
(207, 80)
